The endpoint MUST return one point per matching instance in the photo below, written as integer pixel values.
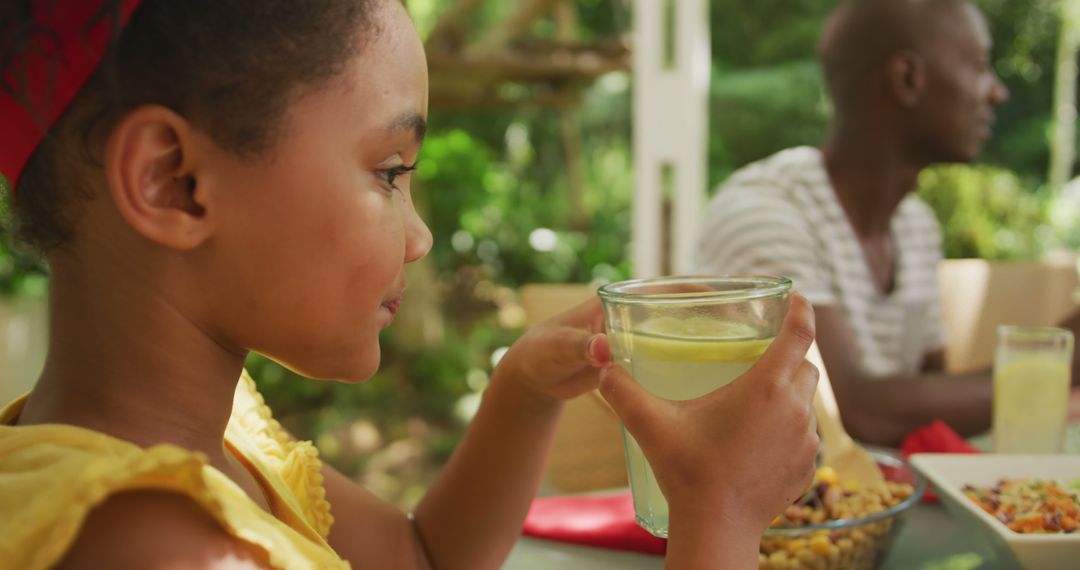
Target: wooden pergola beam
(566, 22)
(450, 97)
(507, 66)
(562, 65)
(515, 24)
(449, 32)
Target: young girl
(212, 177)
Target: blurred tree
(988, 212)
(1063, 139)
(765, 33)
(21, 274)
(1025, 36)
(756, 112)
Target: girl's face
(314, 239)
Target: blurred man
(911, 85)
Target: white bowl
(948, 473)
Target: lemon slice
(695, 339)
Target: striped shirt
(780, 216)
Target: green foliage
(756, 112)
(987, 212)
(1025, 43)
(765, 33)
(494, 184)
(410, 383)
(20, 274)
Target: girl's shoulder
(54, 478)
(158, 529)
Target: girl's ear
(151, 160)
(905, 76)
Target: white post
(23, 343)
(672, 64)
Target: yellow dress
(51, 476)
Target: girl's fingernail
(590, 345)
(599, 352)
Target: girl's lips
(392, 305)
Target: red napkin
(605, 521)
(937, 437)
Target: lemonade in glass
(1032, 373)
(681, 338)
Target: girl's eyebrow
(409, 122)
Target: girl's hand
(741, 453)
(560, 358)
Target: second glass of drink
(1032, 373)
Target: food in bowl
(838, 525)
(951, 472)
(1029, 505)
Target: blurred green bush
(757, 111)
(20, 274)
(989, 212)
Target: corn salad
(854, 548)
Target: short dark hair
(231, 67)
(860, 35)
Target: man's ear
(905, 78)
(151, 159)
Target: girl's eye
(391, 174)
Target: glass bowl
(855, 543)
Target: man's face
(955, 116)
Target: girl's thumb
(633, 404)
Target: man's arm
(964, 401)
(1072, 323)
(883, 410)
(934, 361)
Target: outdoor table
(930, 539)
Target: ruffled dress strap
(53, 476)
(291, 466)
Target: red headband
(43, 79)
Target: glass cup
(1032, 373)
(681, 338)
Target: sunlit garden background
(530, 180)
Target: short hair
(860, 36)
